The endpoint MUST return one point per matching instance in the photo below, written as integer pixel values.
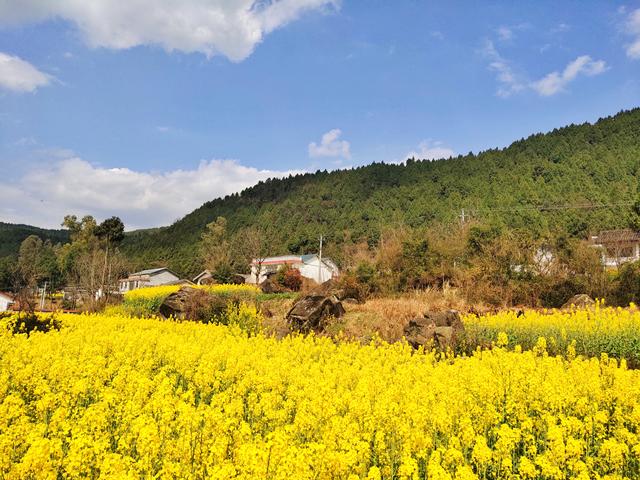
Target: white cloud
(555, 82)
(18, 75)
(632, 27)
(504, 33)
(331, 146)
(507, 33)
(142, 199)
(213, 27)
(430, 150)
(509, 83)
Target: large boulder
(311, 312)
(579, 301)
(175, 305)
(192, 304)
(341, 290)
(438, 329)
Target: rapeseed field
(589, 331)
(116, 397)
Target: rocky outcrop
(190, 303)
(311, 313)
(437, 329)
(343, 292)
(175, 305)
(579, 301)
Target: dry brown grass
(384, 317)
(274, 312)
(387, 316)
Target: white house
(310, 266)
(5, 301)
(618, 246)
(149, 278)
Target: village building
(152, 277)
(310, 266)
(5, 301)
(204, 278)
(618, 246)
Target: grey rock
(437, 329)
(175, 305)
(311, 313)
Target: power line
(542, 208)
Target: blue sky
(146, 111)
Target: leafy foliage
(289, 278)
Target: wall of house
(308, 270)
(162, 278)
(630, 253)
(4, 304)
(311, 270)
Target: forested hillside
(11, 236)
(534, 184)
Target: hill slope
(577, 165)
(12, 235)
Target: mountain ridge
(579, 164)
(591, 163)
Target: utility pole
(44, 292)
(462, 217)
(320, 262)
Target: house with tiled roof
(151, 277)
(618, 246)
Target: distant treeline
(11, 236)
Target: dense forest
(11, 236)
(577, 179)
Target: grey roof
(151, 271)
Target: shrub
(629, 283)
(366, 275)
(289, 278)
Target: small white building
(309, 266)
(203, 278)
(149, 278)
(618, 246)
(5, 301)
